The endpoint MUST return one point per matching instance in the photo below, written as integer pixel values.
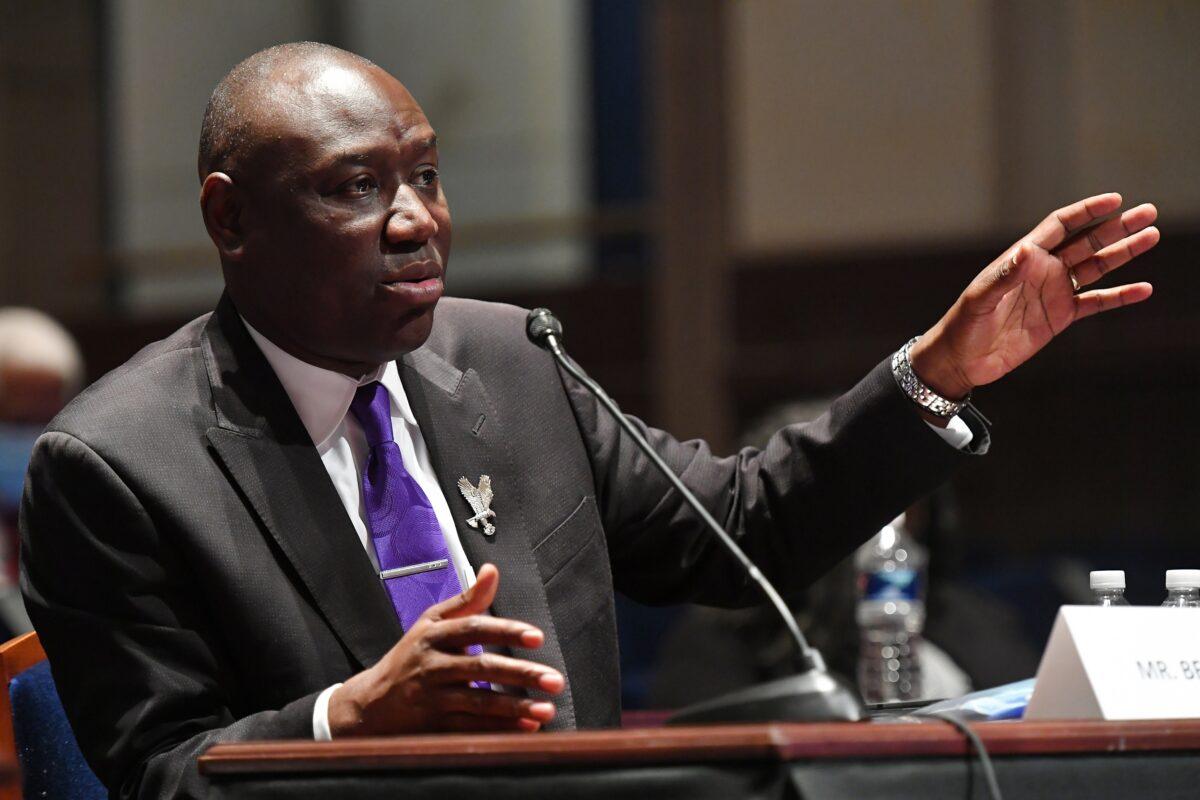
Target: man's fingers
(1115, 255)
(495, 668)
(486, 703)
(1098, 300)
(1083, 245)
(475, 600)
(1060, 224)
(457, 633)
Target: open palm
(1025, 298)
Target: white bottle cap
(1183, 578)
(1108, 579)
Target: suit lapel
(268, 454)
(465, 437)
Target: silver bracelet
(917, 391)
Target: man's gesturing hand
(423, 683)
(1025, 298)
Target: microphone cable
(985, 760)
(544, 330)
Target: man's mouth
(417, 283)
(414, 272)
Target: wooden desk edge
(763, 742)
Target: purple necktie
(414, 563)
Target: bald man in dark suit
(193, 526)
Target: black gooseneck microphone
(812, 694)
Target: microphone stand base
(813, 696)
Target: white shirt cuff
(321, 732)
(957, 433)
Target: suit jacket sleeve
(105, 587)
(799, 505)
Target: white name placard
(1120, 663)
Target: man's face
(346, 226)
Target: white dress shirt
(957, 433)
(322, 400)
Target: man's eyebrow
(346, 157)
(361, 156)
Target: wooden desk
(920, 759)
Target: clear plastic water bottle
(890, 615)
(1108, 586)
(1183, 588)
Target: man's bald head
(227, 134)
(40, 366)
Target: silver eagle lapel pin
(481, 503)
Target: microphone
(544, 330)
(812, 694)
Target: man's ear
(221, 204)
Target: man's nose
(409, 220)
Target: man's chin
(412, 333)
(378, 345)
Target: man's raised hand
(1026, 297)
(423, 683)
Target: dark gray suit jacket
(194, 577)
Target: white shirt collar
(322, 397)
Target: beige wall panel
(860, 122)
(1137, 85)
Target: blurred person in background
(40, 370)
(711, 651)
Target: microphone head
(540, 325)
